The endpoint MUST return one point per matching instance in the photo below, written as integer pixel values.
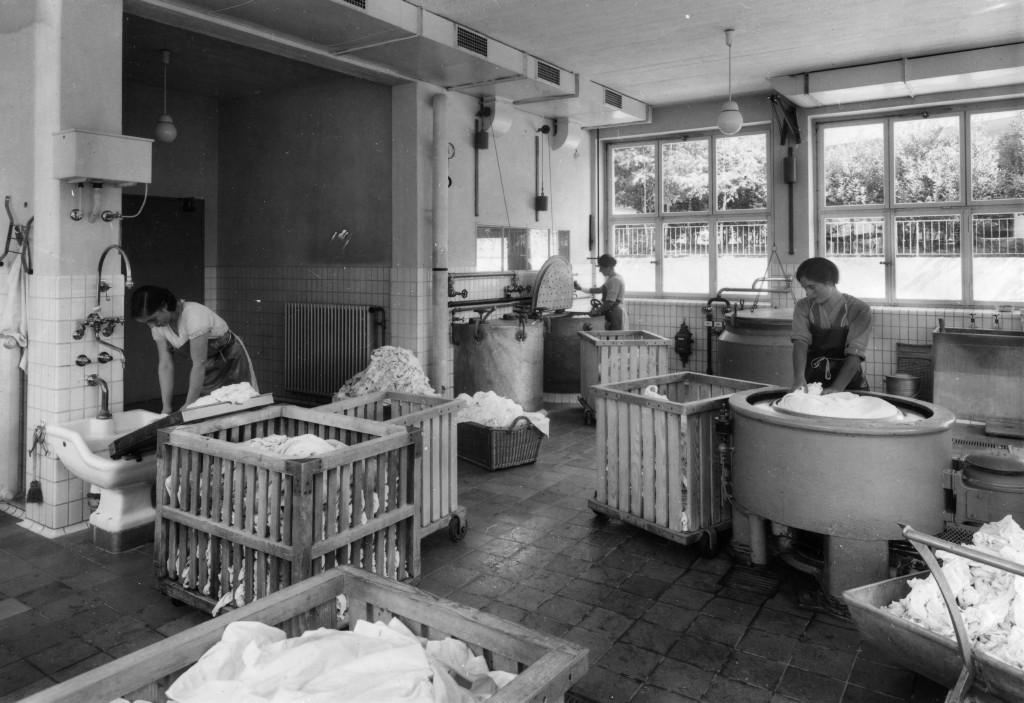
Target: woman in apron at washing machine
(218, 356)
(830, 333)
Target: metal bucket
(562, 351)
(756, 346)
(504, 356)
(902, 384)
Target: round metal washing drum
(552, 289)
(852, 481)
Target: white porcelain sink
(125, 484)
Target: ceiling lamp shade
(165, 130)
(729, 118)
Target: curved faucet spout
(101, 285)
(94, 380)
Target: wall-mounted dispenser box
(80, 155)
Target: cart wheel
(456, 528)
(709, 543)
(588, 417)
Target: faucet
(102, 286)
(94, 380)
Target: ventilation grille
(612, 98)
(471, 41)
(549, 73)
(361, 4)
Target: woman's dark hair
(819, 270)
(146, 300)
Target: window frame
(661, 220)
(964, 208)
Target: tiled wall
(891, 326)
(56, 385)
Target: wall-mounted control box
(84, 156)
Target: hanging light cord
(167, 60)
(728, 41)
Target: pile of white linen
(390, 369)
(810, 401)
(236, 393)
(490, 409)
(991, 601)
(298, 447)
(372, 663)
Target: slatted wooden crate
(659, 464)
(237, 522)
(612, 356)
(545, 666)
(437, 474)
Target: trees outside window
(689, 214)
(925, 208)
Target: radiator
(325, 345)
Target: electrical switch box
(84, 156)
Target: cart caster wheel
(599, 517)
(588, 418)
(456, 528)
(709, 543)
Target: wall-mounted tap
(82, 360)
(102, 286)
(104, 357)
(94, 380)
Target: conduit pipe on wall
(438, 366)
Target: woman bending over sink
(195, 331)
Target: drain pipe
(438, 366)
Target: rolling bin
(620, 355)
(950, 662)
(235, 522)
(659, 463)
(546, 666)
(437, 474)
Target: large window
(925, 208)
(690, 215)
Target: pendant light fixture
(165, 130)
(729, 118)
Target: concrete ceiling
(656, 51)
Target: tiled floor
(662, 622)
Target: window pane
(634, 188)
(999, 256)
(741, 172)
(686, 267)
(685, 176)
(633, 247)
(927, 160)
(855, 244)
(518, 253)
(742, 252)
(997, 155)
(490, 249)
(540, 248)
(928, 257)
(854, 164)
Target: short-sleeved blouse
(195, 320)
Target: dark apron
(613, 317)
(826, 354)
(226, 362)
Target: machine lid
(552, 289)
(997, 472)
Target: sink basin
(81, 445)
(125, 514)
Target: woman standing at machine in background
(218, 356)
(830, 331)
(612, 293)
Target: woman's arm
(799, 363)
(849, 369)
(165, 374)
(198, 348)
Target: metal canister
(903, 384)
(504, 356)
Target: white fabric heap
(490, 409)
(390, 369)
(652, 392)
(810, 401)
(298, 447)
(14, 313)
(990, 600)
(373, 663)
(236, 393)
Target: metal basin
(977, 372)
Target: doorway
(165, 247)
